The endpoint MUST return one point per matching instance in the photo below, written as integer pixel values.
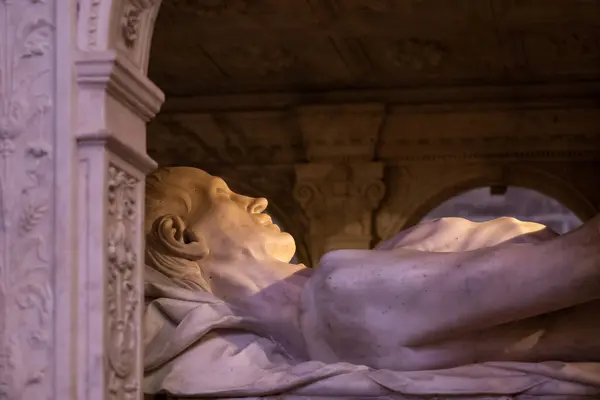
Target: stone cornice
(121, 79)
(569, 92)
(420, 133)
(138, 160)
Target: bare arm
(420, 297)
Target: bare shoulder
(460, 234)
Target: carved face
(193, 216)
(231, 222)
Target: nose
(257, 205)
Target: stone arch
(125, 27)
(414, 190)
(520, 176)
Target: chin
(283, 247)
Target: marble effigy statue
(449, 309)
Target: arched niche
(520, 176)
(415, 190)
(122, 27)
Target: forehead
(216, 181)
(207, 183)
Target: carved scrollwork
(306, 194)
(26, 184)
(373, 192)
(122, 294)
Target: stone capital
(338, 200)
(109, 84)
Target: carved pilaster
(122, 284)
(118, 101)
(29, 152)
(339, 200)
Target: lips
(264, 219)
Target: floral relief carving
(122, 294)
(26, 185)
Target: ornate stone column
(112, 169)
(74, 102)
(339, 201)
(115, 100)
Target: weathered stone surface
(320, 45)
(28, 190)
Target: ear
(178, 239)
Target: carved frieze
(417, 54)
(564, 50)
(248, 138)
(430, 134)
(26, 198)
(333, 133)
(340, 132)
(122, 296)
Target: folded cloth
(198, 346)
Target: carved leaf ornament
(122, 295)
(26, 182)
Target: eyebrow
(219, 182)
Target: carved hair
(170, 199)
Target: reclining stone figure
(449, 308)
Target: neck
(238, 277)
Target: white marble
(448, 308)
